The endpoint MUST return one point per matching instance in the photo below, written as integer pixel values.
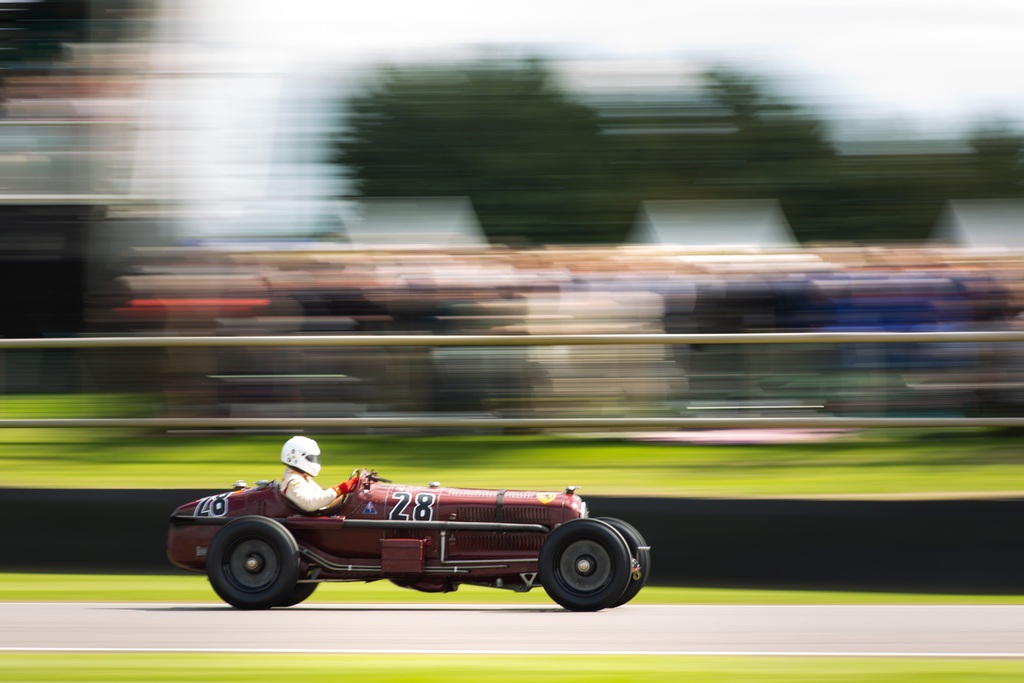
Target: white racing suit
(300, 489)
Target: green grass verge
(29, 406)
(916, 464)
(229, 668)
(194, 588)
(875, 462)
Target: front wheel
(584, 565)
(641, 553)
(253, 563)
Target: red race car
(261, 551)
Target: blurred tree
(731, 140)
(532, 160)
(899, 194)
(777, 151)
(892, 197)
(998, 161)
(542, 167)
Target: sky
(923, 65)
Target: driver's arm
(346, 487)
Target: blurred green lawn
(874, 462)
(244, 668)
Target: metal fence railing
(442, 421)
(252, 341)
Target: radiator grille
(526, 515)
(512, 515)
(476, 514)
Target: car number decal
(422, 510)
(213, 506)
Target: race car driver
(302, 456)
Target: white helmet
(303, 454)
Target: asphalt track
(771, 630)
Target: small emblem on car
(369, 509)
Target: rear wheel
(253, 563)
(298, 594)
(584, 565)
(640, 551)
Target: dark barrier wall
(942, 546)
(946, 546)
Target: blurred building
(982, 223)
(416, 221)
(70, 87)
(723, 223)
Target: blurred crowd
(319, 289)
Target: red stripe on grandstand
(198, 303)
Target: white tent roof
(982, 223)
(748, 222)
(417, 221)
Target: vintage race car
(260, 551)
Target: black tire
(584, 565)
(639, 550)
(299, 593)
(253, 563)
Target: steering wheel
(341, 500)
(364, 475)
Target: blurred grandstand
(319, 288)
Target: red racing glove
(347, 486)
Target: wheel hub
(253, 564)
(585, 566)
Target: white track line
(561, 653)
